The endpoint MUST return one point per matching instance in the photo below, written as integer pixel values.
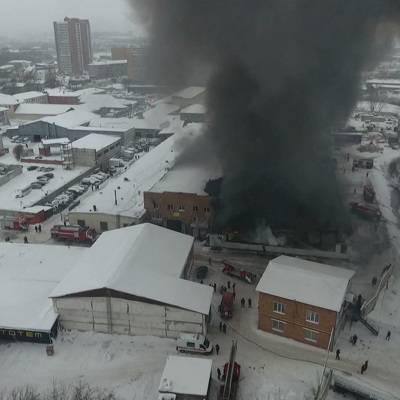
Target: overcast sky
(22, 17)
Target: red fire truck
(230, 377)
(75, 233)
(230, 270)
(226, 306)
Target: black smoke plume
(283, 74)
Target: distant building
(73, 45)
(31, 97)
(108, 69)
(4, 116)
(189, 96)
(303, 300)
(137, 62)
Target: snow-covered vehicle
(193, 343)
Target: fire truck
(75, 233)
(241, 274)
(226, 306)
(230, 377)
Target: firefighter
(242, 302)
(40, 228)
(219, 374)
(249, 302)
(224, 328)
(229, 284)
(388, 335)
(220, 326)
(217, 348)
(25, 239)
(36, 229)
(338, 354)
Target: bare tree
(17, 151)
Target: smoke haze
(283, 74)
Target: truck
(230, 377)
(75, 233)
(193, 343)
(241, 274)
(226, 306)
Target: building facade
(137, 64)
(73, 45)
(303, 300)
(183, 212)
(108, 69)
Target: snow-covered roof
(71, 119)
(143, 260)
(6, 99)
(93, 102)
(146, 124)
(42, 109)
(29, 273)
(21, 97)
(2, 109)
(160, 112)
(61, 92)
(108, 62)
(186, 376)
(122, 123)
(190, 92)
(194, 109)
(95, 141)
(306, 282)
(55, 141)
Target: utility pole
(115, 197)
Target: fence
(369, 305)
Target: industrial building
(130, 282)
(193, 113)
(303, 300)
(188, 96)
(34, 111)
(185, 378)
(108, 69)
(95, 150)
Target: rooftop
(186, 375)
(190, 92)
(93, 102)
(109, 62)
(306, 282)
(194, 109)
(42, 109)
(29, 273)
(95, 141)
(143, 260)
(6, 99)
(21, 97)
(71, 119)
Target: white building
(95, 149)
(131, 281)
(185, 378)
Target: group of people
(222, 327)
(38, 228)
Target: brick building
(179, 201)
(303, 300)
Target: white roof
(186, 375)
(93, 102)
(28, 275)
(306, 282)
(141, 176)
(61, 92)
(42, 109)
(109, 62)
(3, 109)
(55, 141)
(146, 124)
(71, 119)
(143, 260)
(190, 92)
(95, 141)
(194, 109)
(21, 97)
(158, 114)
(113, 123)
(6, 99)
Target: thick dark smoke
(283, 74)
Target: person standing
(388, 335)
(215, 287)
(242, 302)
(25, 239)
(338, 354)
(229, 284)
(219, 374)
(233, 286)
(40, 228)
(220, 326)
(224, 328)
(249, 302)
(36, 229)
(217, 348)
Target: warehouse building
(95, 150)
(188, 96)
(131, 281)
(108, 69)
(303, 300)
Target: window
(195, 208)
(311, 336)
(190, 344)
(312, 316)
(206, 209)
(170, 207)
(279, 308)
(277, 326)
(103, 226)
(81, 222)
(181, 208)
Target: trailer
(74, 233)
(241, 274)
(230, 377)
(226, 306)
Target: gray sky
(31, 17)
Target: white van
(193, 343)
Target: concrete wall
(294, 320)
(94, 219)
(121, 316)
(85, 157)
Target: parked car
(49, 175)
(193, 343)
(201, 272)
(32, 167)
